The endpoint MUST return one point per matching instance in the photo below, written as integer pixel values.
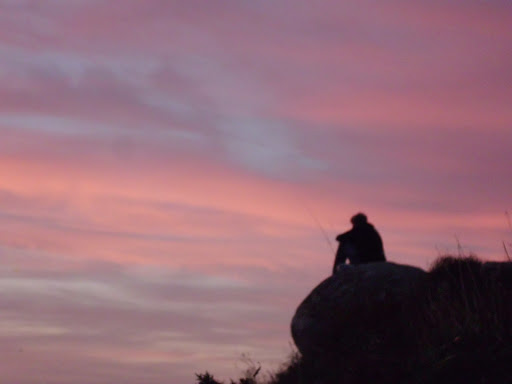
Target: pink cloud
(168, 171)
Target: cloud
(126, 318)
(169, 170)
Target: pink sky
(165, 167)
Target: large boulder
(354, 308)
(388, 323)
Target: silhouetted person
(362, 244)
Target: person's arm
(340, 257)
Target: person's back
(362, 244)
(368, 243)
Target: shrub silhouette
(206, 378)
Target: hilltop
(451, 324)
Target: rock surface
(389, 323)
(355, 300)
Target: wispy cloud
(168, 169)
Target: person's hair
(359, 219)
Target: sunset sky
(173, 173)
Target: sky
(173, 174)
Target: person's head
(359, 219)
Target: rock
(354, 308)
(390, 323)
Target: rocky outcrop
(353, 306)
(390, 323)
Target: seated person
(362, 244)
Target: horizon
(173, 174)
